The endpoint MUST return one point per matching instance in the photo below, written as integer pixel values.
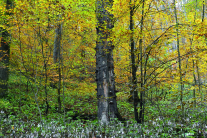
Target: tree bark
(107, 106)
(57, 58)
(133, 92)
(141, 111)
(4, 57)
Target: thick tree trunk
(4, 61)
(107, 106)
(4, 57)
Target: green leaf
(1, 134)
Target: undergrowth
(20, 115)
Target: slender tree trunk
(133, 92)
(107, 106)
(45, 67)
(195, 82)
(194, 75)
(179, 59)
(46, 77)
(141, 112)
(203, 14)
(4, 56)
(57, 58)
(197, 61)
(199, 81)
(45, 60)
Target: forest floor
(21, 117)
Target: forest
(103, 68)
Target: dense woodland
(103, 68)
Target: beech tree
(107, 106)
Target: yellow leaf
(2, 26)
(198, 20)
(178, 107)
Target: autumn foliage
(32, 27)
